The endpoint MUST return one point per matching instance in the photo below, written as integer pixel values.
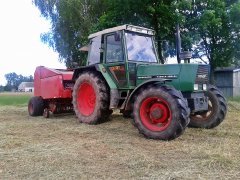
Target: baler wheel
(91, 98)
(217, 110)
(35, 106)
(160, 112)
(46, 113)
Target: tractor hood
(181, 76)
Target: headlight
(195, 87)
(204, 87)
(200, 87)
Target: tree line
(14, 80)
(212, 26)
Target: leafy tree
(159, 15)
(214, 23)
(72, 21)
(1, 88)
(14, 80)
(235, 26)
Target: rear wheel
(217, 110)
(35, 106)
(91, 98)
(161, 113)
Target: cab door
(115, 59)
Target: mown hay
(61, 148)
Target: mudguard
(145, 83)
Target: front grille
(202, 74)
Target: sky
(21, 49)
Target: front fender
(142, 85)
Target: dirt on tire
(170, 100)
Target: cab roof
(123, 27)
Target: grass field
(61, 148)
(17, 99)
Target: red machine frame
(55, 87)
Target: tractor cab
(121, 50)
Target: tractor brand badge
(166, 76)
(144, 77)
(159, 76)
(202, 76)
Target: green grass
(16, 99)
(236, 99)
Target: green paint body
(180, 76)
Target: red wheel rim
(155, 114)
(86, 98)
(30, 108)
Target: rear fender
(114, 95)
(157, 81)
(99, 68)
(82, 69)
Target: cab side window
(95, 46)
(114, 51)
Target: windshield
(140, 48)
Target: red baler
(52, 92)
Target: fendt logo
(202, 76)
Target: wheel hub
(158, 113)
(155, 113)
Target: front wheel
(160, 113)
(217, 110)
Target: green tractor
(123, 72)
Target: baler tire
(91, 98)
(215, 115)
(46, 113)
(172, 119)
(35, 106)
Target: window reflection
(140, 48)
(114, 49)
(94, 56)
